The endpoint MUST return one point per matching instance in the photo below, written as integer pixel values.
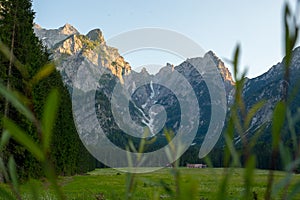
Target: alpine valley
(76, 53)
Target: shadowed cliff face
(269, 87)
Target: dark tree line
(68, 154)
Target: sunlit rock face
(69, 49)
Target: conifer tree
(16, 31)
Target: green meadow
(200, 184)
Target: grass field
(111, 184)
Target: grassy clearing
(110, 184)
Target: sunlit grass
(110, 184)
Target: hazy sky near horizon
(214, 25)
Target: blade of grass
(49, 116)
(6, 52)
(3, 169)
(236, 61)
(44, 72)
(4, 139)
(249, 173)
(277, 123)
(13, 175)
(51, 176)
(21, 137)
(16, 103)
(253, 110)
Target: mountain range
(71, 50)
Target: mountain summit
(69, 49)
(53, 36)
(68, 29)
(96, 35)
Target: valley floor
(203, 184)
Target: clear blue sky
(215, 25)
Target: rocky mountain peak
(96, 35)
(50, 37)
(69, 49)
(226, 75)
(68, 29)
(144, 71)
(171, 66)
(70, 46)
(212, 54)
(36, 26)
